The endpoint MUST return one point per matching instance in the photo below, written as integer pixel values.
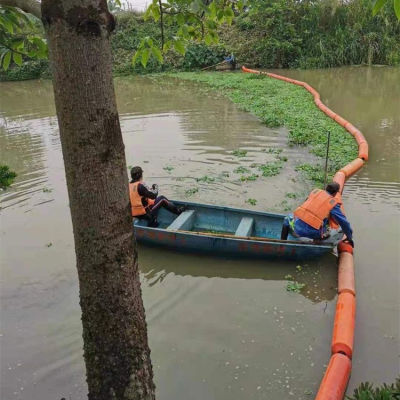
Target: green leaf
(397, 8)
(6, 60)
(156, 51)
(156, 12)
(180, 18)
(167, 45)
(147, 13)
(229, 12)
(378, 4)
(179, 47)
(145, 56)
(220, 15)
(150, 42)
(208, 39)
(195, 6)
(39, 43)
(18, 44)
(9, 26)
(135, 57)
(17, 58)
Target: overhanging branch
(28, 6)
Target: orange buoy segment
(343, 328)
(340, 178)
(337, 375)
(341, 121)
(363, 151)
(351, 168)
(330, 113)
(351, 129)
(345, 247)
(359, 137)
(346, 274)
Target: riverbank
(276, 104)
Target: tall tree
(116, 350)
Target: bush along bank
(130, 30)
(276, 103)
(276, 34)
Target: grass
(366, 391)
(168, 168)
(277, 103)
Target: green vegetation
(6, 176)
(239, 153)
(315, 34)
(366, 391)
(168, 168)
(247, 178)
(252, 202)
(278, 103)
(272, 34)
(206, 179)
(292, 195)
(47, 190)
(191, 192)
(295, 287)
(270, 169)
(241, 170)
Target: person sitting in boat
(145, 201)
(230, 60)
(315, 218)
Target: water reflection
(319, 276)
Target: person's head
(332, 188)
(136, 174)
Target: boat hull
(214, 216)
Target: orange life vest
(316, 208)
(136, 200)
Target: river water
(218, 329)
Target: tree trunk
(116, 349)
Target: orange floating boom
(337, 375)
(343, 328)
(340, 178)
(346, 274)
(333, 386)
(352, 167)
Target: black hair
(332, 188)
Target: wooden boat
(227, 231)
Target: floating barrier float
(337, 375)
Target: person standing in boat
(320, 213)
(145, 201)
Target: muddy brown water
(218, 328)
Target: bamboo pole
(251, 238)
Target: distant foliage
(315, 34)
(6, 176)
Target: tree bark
(116, 349)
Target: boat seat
(183, 222)
(245, 227)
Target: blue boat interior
(221, 220)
